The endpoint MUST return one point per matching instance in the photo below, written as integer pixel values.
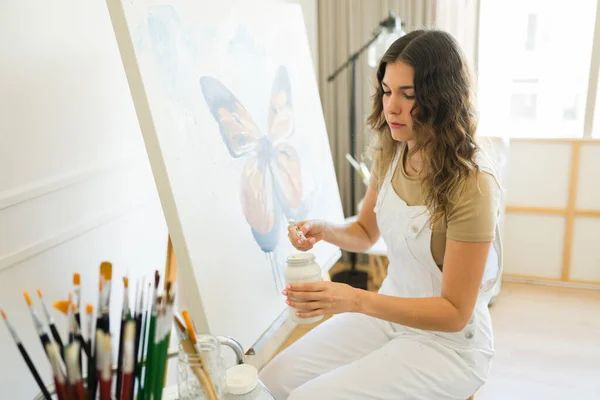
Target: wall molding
(549, 281)
(9, 260)
(42, 187)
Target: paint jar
(191, 382)
(302, 268)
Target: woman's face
(398, 99)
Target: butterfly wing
(243, 138)
(259, 203)
(286, 169)
(238, 129)
(285, 162)
(280, 119)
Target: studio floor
(547, 343)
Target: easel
(170, 276)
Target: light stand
(390, 25)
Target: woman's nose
(393, 106)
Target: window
(533, 67)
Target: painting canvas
(230, 112)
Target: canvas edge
(187, 279)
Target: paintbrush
(52, 325)
(138, 304)
(151, 354)
(139, 312)
(67, 307)
(26, 357)
(181, 332)
(163, 348)
(77, 291)
(71, 319)
(39, 327)
(144, 340)
(93, 363)
(125, 316)
(58, 370)
(161, 339)
(74, 375)
(105, 366)
(106, 272)
(129, 351)
(192, 348)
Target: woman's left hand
(321, 298)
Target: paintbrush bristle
(76, 279)
(39, 292)
(27, 297)
(106, 270)
(89, 309)
(189, 325)
(156, 279)
(3, 314)
(62, 306)
(179, 323)
(126, 281)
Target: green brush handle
(161, 367)
(150, 367)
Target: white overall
(353, 356)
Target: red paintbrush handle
(78, 391)
(61, 390)
(105, 387)
(126, 387)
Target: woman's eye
(387, 93)
(409, 97)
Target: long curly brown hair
(444, 117)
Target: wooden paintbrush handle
(205, 382)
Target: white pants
(353, 356)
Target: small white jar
(302, 268)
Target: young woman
(434, 198)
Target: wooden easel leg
(170, 276)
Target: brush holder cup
(190, 370)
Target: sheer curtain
(346, 25)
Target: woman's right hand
(313, 230)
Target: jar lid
(300, 258)
(241, 379)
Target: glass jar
(302, 268)
(188, 384)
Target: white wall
(75, 183)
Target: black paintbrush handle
(34, 372)
(58, 341)
(120, 357)
(137, 350)
(92, 373)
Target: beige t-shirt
(472, 219)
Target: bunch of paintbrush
(142, 345)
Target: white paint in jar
(302, 268)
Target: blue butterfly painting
(271, 188)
